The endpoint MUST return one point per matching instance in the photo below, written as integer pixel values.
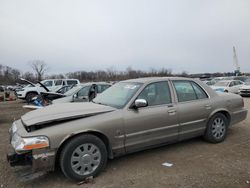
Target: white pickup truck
(32, 90)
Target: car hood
(66, 99)
(218, 87)
(63, 112)
(245, 87)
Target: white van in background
(32, 90)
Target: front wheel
(83, 156)
(217, 127)
(30, 96)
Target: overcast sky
(191, 35)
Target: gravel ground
(195, 163)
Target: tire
(83, 156)
(29, 96)
(217, 128)
(226, 91)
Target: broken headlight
(21, 144)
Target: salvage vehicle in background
(231, 86)
(209, 82)
(77, 93)
(46, 98)
(83, 92)
(129, 116)
(245, 89)
(32, 90)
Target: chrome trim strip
(151, 130)
(240, 111)
(192, 122)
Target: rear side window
(58, 82)
(188, 91)
(101, 88)
(156, 94)
(71, 82)
(238, 82)
(200, 93)
(48, 83)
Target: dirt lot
(195, 163)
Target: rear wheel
(217, 128)
(29, 97)
(83, 156)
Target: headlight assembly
(25, 144)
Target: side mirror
(139, 103)
(74, 96)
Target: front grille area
(245, 91)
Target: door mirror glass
(74, 96)
(140, 103)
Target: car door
(152, 125)
(238, 84)
(232, 87)
(58, 85)
(193, 108)
(82, 95)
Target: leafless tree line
(11, 76)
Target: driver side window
(83, 92)
(156, 94)
(231, 84)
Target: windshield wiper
(100, 103)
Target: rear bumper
(238, 116)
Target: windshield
(73, 90)
(221, 84)
(118, 95)
(247, 81)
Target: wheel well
(31, 92)
(97, 134)
(225, 113)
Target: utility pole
(236, 63)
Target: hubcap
(85, 159)
(218, 128)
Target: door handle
(172, 112)
(208, 106)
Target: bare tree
(39, 67)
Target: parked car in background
(45, 98)
(2, 88)
(209, 82)
(241, 78)
(130, 116)
(83, 92)
(32, 90)
(231, 86)
(245, 89)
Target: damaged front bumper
(35, 163)
(35, 160)
(15, 159)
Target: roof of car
(90, 83)
(227, 80)
(151, 79)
